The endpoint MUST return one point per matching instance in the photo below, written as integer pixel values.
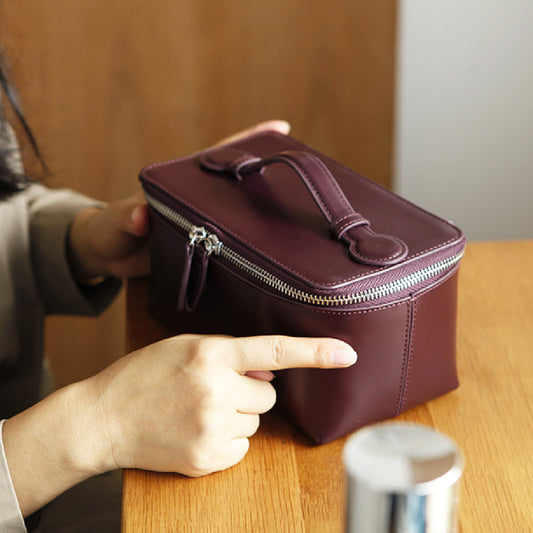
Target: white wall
(464, 113)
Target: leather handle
(346, 224)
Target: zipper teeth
(370, 294)
(374, 293)
(170, 214)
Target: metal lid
(401, 478)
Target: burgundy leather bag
(267, 236)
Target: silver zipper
(212, 244)
(210, 241)
(197, 234)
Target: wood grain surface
(284, 484)
(109, 87)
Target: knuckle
(198, 462)
(277, 351)
(321, 354)
(202, 352)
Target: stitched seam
(340, 219)
(410, 358)
(344, 220)
(405, 361)
(333, 181)
(354, 220)
(399, 252)
(410, 258)
(350, 225)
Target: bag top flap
(301, 227)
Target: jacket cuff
(51, 216)
(11, 520)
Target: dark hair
(12, 181)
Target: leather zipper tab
(200, 246)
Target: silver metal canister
(401, 478)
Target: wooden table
(285, 485)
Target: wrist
(90, 452)
(53, 446)
(86, 267)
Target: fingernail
(344, 356)
(283, 126)
(263, 375)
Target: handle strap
(365, 246)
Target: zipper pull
(195, 270)
(212, 244)
(197, 234)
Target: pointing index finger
(277, 352)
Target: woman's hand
(113, 241)
(185, 404)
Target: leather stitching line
(410, 358)
(405, 359)
(352, 222)
(399, 252)
(340, 193)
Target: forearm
(54, 445)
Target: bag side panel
(327, 404)
(431, 366)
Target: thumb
(277, 352)
(140, 220)
(281, 126)
(130, 215)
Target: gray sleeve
(51, 213)
(11, 520)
